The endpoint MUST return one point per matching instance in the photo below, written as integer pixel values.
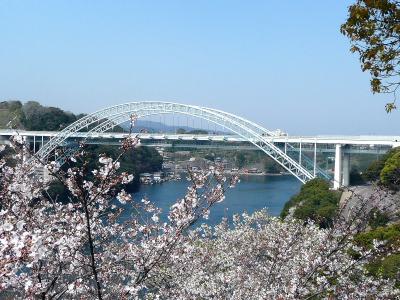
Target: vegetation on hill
(386, 170)
(34, 116)
(390, 174)
(315, 201)
(11, 111)
(385, 266)
(194, 131)
(245, 158)
(38, 117)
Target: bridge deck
(393, 141)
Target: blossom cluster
(262, 257)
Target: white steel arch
(110, 117)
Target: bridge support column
(315, 159)
(300, 153)
(25, 148)
(346, 169)
(337, 179)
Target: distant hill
(11, 112)
(34, 116)
(153, 127)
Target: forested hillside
(34, 116)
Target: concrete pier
(337, 179)
(342, 167)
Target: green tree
(38, 117)
(11, 111)
(388, 162)
(373, 27)
(390, 174)
(315, 201)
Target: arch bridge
(110, 117)
(270, 142)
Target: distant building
(158, 177)
(253, 171)
(146, 178)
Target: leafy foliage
(11, 111)
(33, 116)
(315, 201)
(386, 170)
(387, 267)
(390, 174)
(38, 117)
(373, 27)
(378, 218)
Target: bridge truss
(105, 119)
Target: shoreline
(226, 172)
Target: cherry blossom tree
(262, 257)
(88, 248)
(83, 249)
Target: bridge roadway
(341, 145)
(368, 140)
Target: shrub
(315, 201)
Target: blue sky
(282, 64)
